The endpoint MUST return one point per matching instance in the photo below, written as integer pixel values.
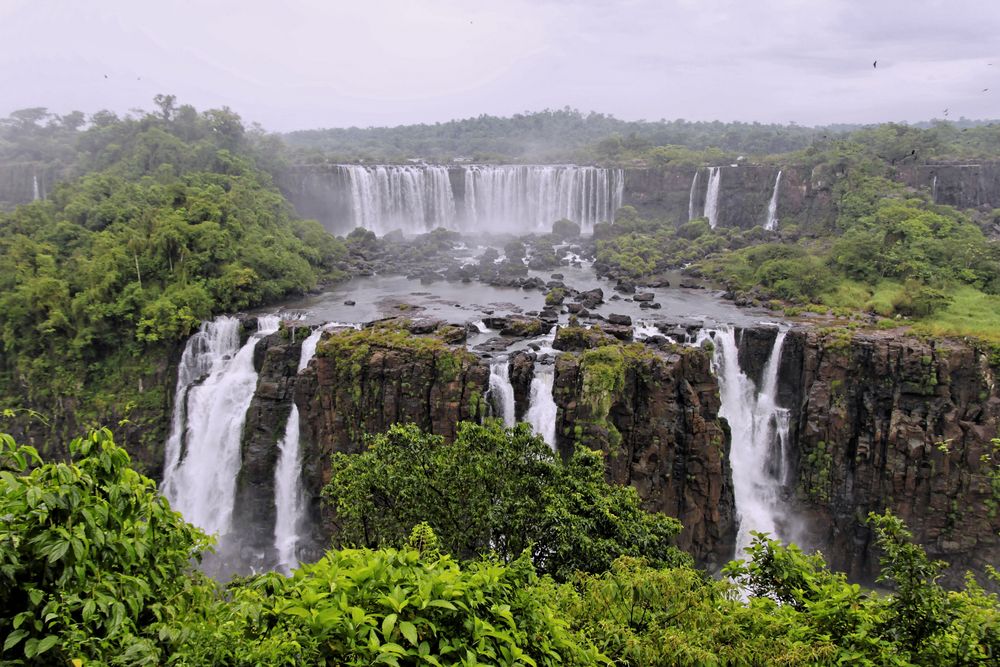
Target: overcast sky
(298, 64)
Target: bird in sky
(875, 64)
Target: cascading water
(413, 198)
(712, 196)
(542, 409)
(516, 198)
(934, 189)
(759, 452)
(691, 195)
(772, 206)
(36, 195)
(215, 384)
(289, 500)
(532, 197)
(502, 391)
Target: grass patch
(848, 294)
(971, 313)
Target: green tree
(494, 490)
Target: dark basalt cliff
(276, 358)
(655, 415)
(668, 441)
(879, 420)
(363, 382)
(888, 421)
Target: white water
(694, 188)
(759, 428)
(934, 189)
(542, 407)
(34, 184)
(712, 196)
(772, 206)
(203, 451)
(502, 391)
(417, 198)
(412, 198)
(289, 500)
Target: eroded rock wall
(655, 415)
(889, 421)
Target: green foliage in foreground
(495, 490)
(94, 566)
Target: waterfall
(772, 206)
(712, 196)
(532, 197)
(759, 452)
(289, 501)
(934, 189)
(542, 407)
(415, 199)
(515, 198)
(215, 384)
(34, 184)
(694, 188)
(502, 391)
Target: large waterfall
(772, 206)
(712, 196)
(215, 384)
(289, 501)
(412, 198)
(502, 391)
(514, 198)
(759, 452)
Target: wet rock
(525, 327)
(521, 371)
(349, 302)
(662, 434)
(623, 320)
(625, 286)
(644, 296)
(650, 305)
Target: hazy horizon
(311, 64)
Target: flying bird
(875, 64)
(985, 89)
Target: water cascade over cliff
(502, 391)
(772, 206)
(712, 196)
(691, 195)
(35, 194)
(759, 439)
(418, 198)
(216, 382)
(289, 500)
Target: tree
(494, 490)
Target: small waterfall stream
(934, 189)
(542, 409)
(772, 206)
(36, 194)
(216, 382)
(289, 500)
(502, 391)
(759, 452)
(712, 196)
(691, 195)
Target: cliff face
(744, 194)
(958, 185)
(363, 382)
(276, 359)
(887, 421)
(655, 415)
